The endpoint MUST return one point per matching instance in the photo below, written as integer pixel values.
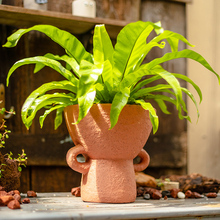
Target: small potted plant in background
(10, 168)
(105, 101)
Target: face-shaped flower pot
(108, 175)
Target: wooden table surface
(64, 206)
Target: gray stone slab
(64, 206)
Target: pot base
(109, 181)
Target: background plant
(21, 159)
(4, 134)
(110, 74)
(3, 128)
(2, 169)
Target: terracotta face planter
(108, 175)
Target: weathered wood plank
(41, 149)
(18, 3)
(25, 180)
(172, 17)
(60, 6)
(167, 150)
(54, 179)
(128, 10)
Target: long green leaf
(144, 82)
(187, 79)
(174, 44)
(47, 62)
(119, 101)
(181, 107)
(180, 76)
(65, 85)
(171, 80)
(193, 99)
(135, 64)
(162, 106)
(58, 118)
(180, 104)
(102, 93)
(143, 92)
(45, 101)
(89, 75)
(102, 45)
(180, 54)
(153, 115)
(69, 60)
(172, 38)
(69, 42)
(146, 49)
(107, 76)
(162, 97)
(128, 49)
(132, 78)
(85, 102)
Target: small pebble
(188, 194)
(211, 195)
(31, 194)
(76, 191)
(26, 200)
(3, 193)
(196, 195)
(140, 191)
(16, 192)
(4, 200)
(146, 196)
(11, 193)
(181, 195)
(174, 192)
(17, 197)
(14, 204)
(156, 195)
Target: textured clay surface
(109, 172)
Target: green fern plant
(110, 74)
(21, 160)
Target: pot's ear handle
(145, 160)
(71, 158)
